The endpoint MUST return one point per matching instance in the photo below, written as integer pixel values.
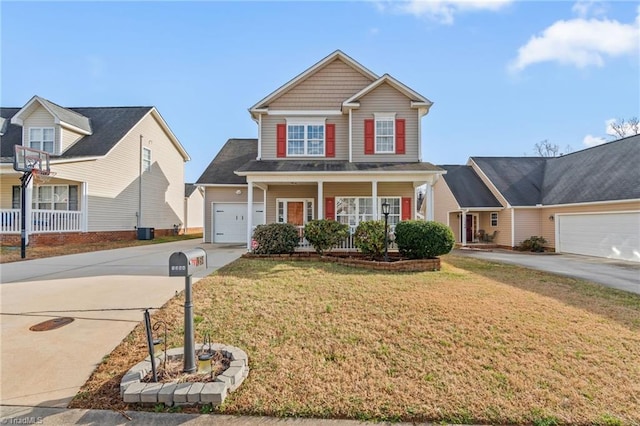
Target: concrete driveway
(618, 274)
(47, 368)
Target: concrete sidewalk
(48, 368)
(58, 416)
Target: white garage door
(610, 235)
(230, 221)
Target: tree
(622, 128)
(546, 149)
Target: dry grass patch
(476, 342)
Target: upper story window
(494, 219)
(42, 138)
(385, 133)
(305, 139)
(146, 159)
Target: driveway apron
(103, 291)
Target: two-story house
(116, 169)
(334, 142)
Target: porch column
(320, 199)
(28, 197)
(463, 215)
(374, 196)
(428, 198)
(84, 206)
(249, 212)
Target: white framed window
(55, 197)
(494, 219)
(394, 210)
(385, 133)
(297, 211)
(146, 159)
(42, 138)
(353, 210)
(305, 137)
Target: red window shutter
(400, 136)
(369, 136)
(281, 140)
(406, 208)
(331, 140)
(330, 208)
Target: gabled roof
(302, 76)
(63, 116)
(518, 179)
(416, 98)
(234, 154)
(322, 166)
(606, 172)
(109, 125)
(467, 187)
(189, 188)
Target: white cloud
(627, 128)
(580, 42)
(586, 8)
(591, 140)
(442, 11)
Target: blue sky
(503, 75)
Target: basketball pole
(26, 177)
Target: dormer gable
(62, 116)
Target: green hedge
(369, 237)
(417, 239)
(324, 234)
(275, 238)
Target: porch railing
(42, 221)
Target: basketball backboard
(27, 159)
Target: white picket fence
(42, 221)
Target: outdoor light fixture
(238, 191)
(551, 218)
(204, 363)
(385, 212)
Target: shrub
(417, 239)
(275, 238)
(369, 237)
(535, 244)
(325, 234)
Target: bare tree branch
(546, 149)
(622, 128)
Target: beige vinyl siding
(383, 99)
(40, 117)
(444, 203)
(268, 135)
(224, 195)
(194, 205)
(113, 183)
(327, 88)
(528, 224)
(68, 138)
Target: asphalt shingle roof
(519, 179)
(68, 115)
(467, 187)
(189, 188)
(231, 157)
(109, 125)
(332, 166)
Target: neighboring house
(116, 169)
(586, 202)
(335, 142)
(193, 209)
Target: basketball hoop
(41, 176)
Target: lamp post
(385, 212)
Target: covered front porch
(475, 227)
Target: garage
(610, 235)
(230, 221)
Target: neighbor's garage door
(610, 235)
(230, 221)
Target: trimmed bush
(369, 237)
(417, 239)
(324, 234)
(275, 238)
(534, 244)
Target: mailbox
(186, 263)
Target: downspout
(139, 214)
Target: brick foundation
(62, 238)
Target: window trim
(379, 202)
(306, 122)
(493, 218)
(36, 201)
(384, 116)
(305, 215)
(146, 167)
(42, 141)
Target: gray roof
(189, 188)
(67, 115)
(333, 166)
(231, 157)
(467, 187)
(109, 125)
(606, 172)
(610, 171)
(519, 179)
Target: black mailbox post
(184, 264)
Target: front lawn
(477, 342)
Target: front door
(469, 224)
(295, 213)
